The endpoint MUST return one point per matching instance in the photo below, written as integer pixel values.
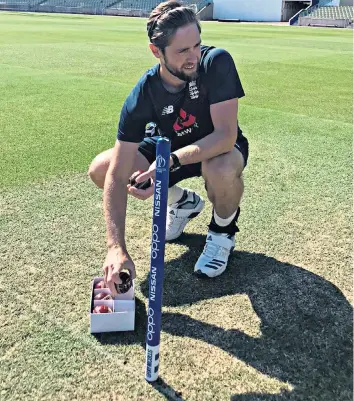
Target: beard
(180, 74)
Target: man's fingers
(133, 176)
(132, 192)
(105, 271)
(141, 193)
(143, 177)
(110, 282)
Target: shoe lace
(212, 250)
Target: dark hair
(165, 19)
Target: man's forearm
(115, 207)
(206, 148)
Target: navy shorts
(148, 149)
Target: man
(192, 97)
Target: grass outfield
(277, 326)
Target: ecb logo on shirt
(193, 90)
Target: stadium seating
(148, 5)
(325, 15)
(26, 3)
(140, 8)
(79, 3)
(341, 12)
(136, 4)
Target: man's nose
(193, 56)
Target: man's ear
(155, 50)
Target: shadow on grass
(138, 337)
(167, 391)
(306, 322)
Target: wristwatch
(175, 163)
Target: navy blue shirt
(184, 117)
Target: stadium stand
(148, 5)
(79, 3)
(139, 8)
(341, 12)
(144, 7)
(324, 14)
(21, 2)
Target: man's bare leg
(99, 166)
(224, 183)
(98, 170)
(222, 175)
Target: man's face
(182, 56)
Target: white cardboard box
(123, 306)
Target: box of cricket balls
(108, 313)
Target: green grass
(277, 326)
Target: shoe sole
(192, 216)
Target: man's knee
(98, 169)
(223, 167)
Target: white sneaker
(179, 214)
(213, 261)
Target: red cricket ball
(102, 309)
(102, 295)
(99, 285)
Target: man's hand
(142, 194)
(147, 174)
(116, 261)
(141, 176)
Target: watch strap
(176, 163)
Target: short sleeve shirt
(183, 117)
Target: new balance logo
(167, 110)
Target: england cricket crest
(193, 90)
